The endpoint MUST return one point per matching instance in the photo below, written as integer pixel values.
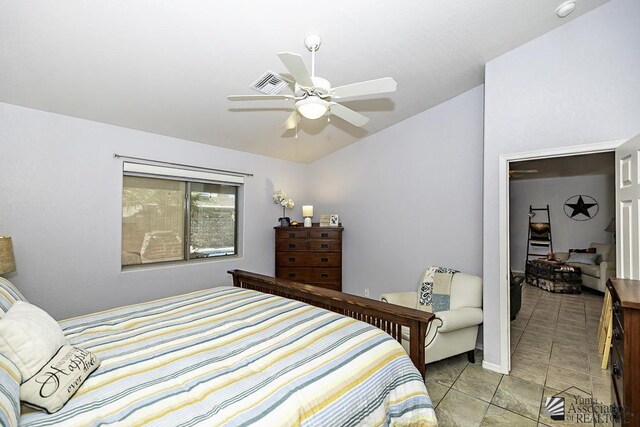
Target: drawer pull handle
(292, 274)
(292, 245)
(616, 334)
(324, 246)
(292, 259)
(616, 369)
(292, 234)
(324, 259)
(615, 412)
(325, 234)
(324, 275)
(616, 307)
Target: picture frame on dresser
(325, 220)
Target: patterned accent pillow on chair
(8, 295)
(435, 289)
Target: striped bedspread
(230, 356)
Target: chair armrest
(460, 318)
(405, 299)
(607, 267)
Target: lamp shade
(307, 211)
(7, 262)
(611, 228)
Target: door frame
(503, 216)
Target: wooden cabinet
(625, 350)
(310, 255)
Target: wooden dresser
(625, 350)
(310, 255)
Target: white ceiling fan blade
(348, 115)
(369, 87)
(292, 121)
(258, 97)
(296, 67)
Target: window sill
(174, 264)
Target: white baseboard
(493, 367)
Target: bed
(236, 356)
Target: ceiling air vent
(270, 83)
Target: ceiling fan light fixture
(312, 107)
(566, 8)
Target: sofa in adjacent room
(596, 267)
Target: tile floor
(554, 347)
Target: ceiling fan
(314, 96)
(516, 173)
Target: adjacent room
(346, 213)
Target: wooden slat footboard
(388, 317)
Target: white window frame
(188, 176)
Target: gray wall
(578, 84)
(409, 197)
(567, 233)
(61, 192)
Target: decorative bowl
(539, 227)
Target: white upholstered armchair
(453, 331)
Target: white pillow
(59, 379)
(29, 337)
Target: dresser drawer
(308, 259)
(292, 245)
(310, 275)
(618, 314)
(324, 234)
(325, 245)
(617, 370)
(291, 233)
(617, 341)
(616, 404)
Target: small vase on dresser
(311, 255)
(285, 221)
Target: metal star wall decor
(581, 207)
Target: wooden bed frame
(388, 317)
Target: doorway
(561, 254)
(505, 262)
(562, 204)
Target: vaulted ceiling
(166, 66)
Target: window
(168, 217)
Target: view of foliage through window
(154, 220)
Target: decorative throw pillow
(59, 379)
(8, 295)
(10, 380)
(582, 258)
(584, 251)
(29, 337)
(435, 289)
